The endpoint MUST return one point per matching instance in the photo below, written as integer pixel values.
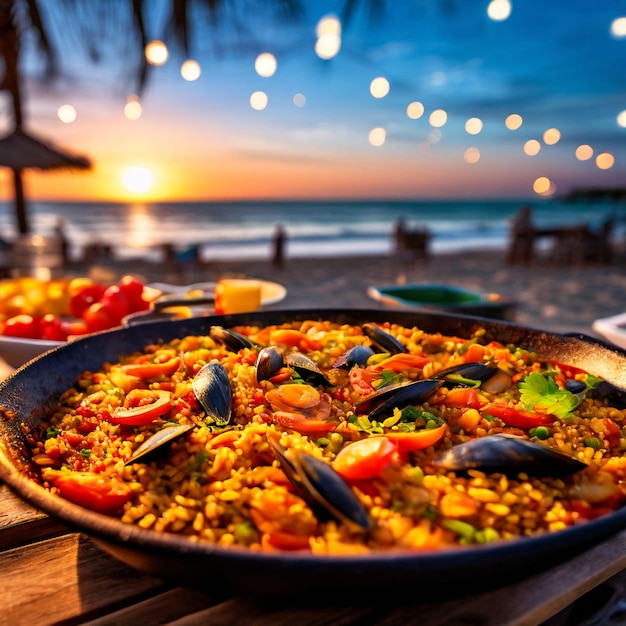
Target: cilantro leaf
(542, 394)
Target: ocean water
(228, 230)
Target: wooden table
(50, 575)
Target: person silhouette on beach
(278, 247)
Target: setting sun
(137, 179)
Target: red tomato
(463, 397)
(84, 297)
(132, 288)
(93, 491)
(365, 458)
(518, 418)
(142, 406)
(52, 328)
(22, 326)
(98, 317)
(116, 303)
(417, 440)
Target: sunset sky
(323, 134)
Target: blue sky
(554, 63)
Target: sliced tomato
(416, 440)
(93, 491)
(461, 397)
(518, 418)
(142, 406)
(152, 370)
(365, 458)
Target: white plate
(16, 351)
(613, 329)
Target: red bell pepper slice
(93, 491)
(416, 440)
(518, 418)
(142, 406)
(152, 370)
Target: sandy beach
(558, 298)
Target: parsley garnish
(542, 394)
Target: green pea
(593, 442)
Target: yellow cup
(237, 295)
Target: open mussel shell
(358, 355)
(159, 439)
(509, 455)
(467, 371)
(233, 340)
(306, 368)
(383, 402)
(608, 392)
(321, 487)
(268, 363)
(211, 386)
(383, 340)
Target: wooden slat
(64, 578)
(20, 523)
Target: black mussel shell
(306, 368)
(509, 455)
(268, 363)
(383, 340)
(233, 340)
(383, 402)
(468, 371)
(610, 393)
(211, 386)
(358, 355)
(159, 439)
(322, 488)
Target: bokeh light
(379, 87)
(551, 136)
(473, 126)
(472, 155)
(67, 113)
(299, 99)
(532, 147)
(415, 110)
(156, 53)
(265, 64)
(258, 100)
(190, 70)
(584, 152)
(133, 109)
(377, 136)
(544, 186)
(618, 27)
(499, 10)
(621, 118)
(605, 161)
(438, 118)
(513, 121)
(328, 32)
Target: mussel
(509, 455)
(321, 487)
(358, 355)
(383, 340)
(163, 436)
(488, 377)
(306, 368)
(384, 401)
(233, 340)
(268, 363)
(211, 387)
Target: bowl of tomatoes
(37, 315)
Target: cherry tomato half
(365, 458)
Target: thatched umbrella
(20, 151)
